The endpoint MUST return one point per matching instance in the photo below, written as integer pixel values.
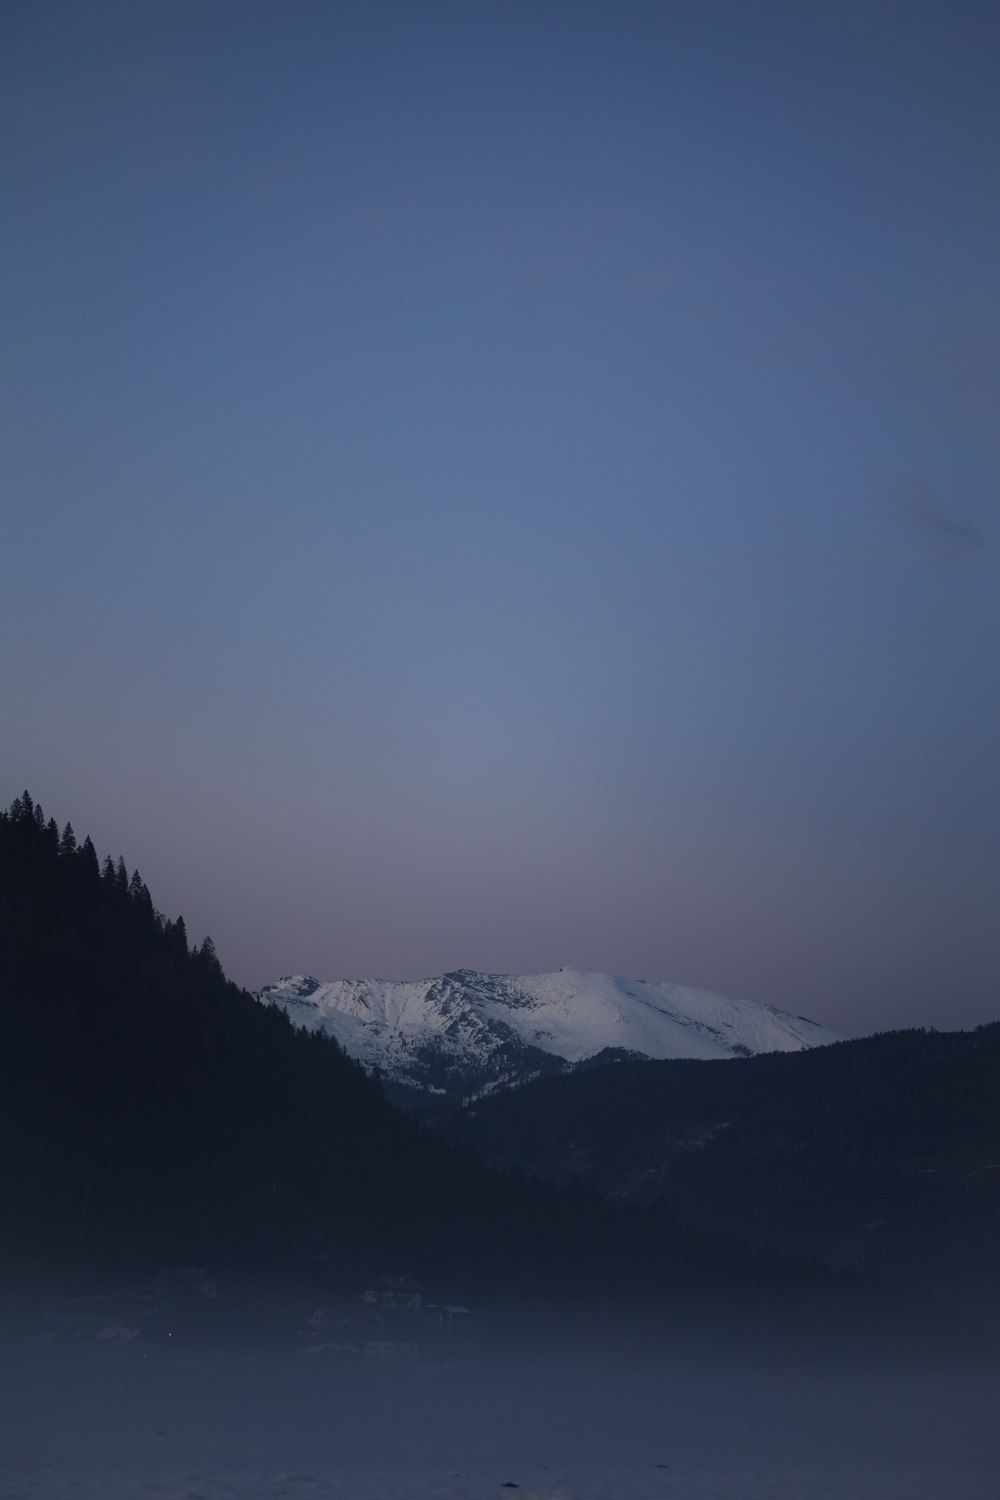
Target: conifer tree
(22, 809)
(177, 933)
(208, 958)
(88, 858)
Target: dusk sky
(511, 485)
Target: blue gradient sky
(508, 485)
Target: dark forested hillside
(145, 1099)
(882, 1153)
(150, 1110)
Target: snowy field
(93, 1420)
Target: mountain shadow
(881, 1153)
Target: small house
(394, 1294)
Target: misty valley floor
(138, 1423)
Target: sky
(507, 485)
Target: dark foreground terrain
(105, 1395)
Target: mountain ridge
(468, 1032)
(881, 1153)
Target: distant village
(388, 1322)
(395, 1321)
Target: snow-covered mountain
(467, 1033)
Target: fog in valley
(185, 1409)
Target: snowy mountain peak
(467, 1032)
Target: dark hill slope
(151, 1111)
(882, 1152)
